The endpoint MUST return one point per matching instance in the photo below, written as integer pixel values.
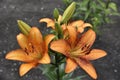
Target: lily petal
(19, 55)
(23, 41)
(87, 39)
(48, 38)
(95, 54)
(24, 68)
(72, 34)
(70, 66)
(86, 25)
(64, 26)
(80, 29)
(50, 22)
(45, 59)
(87, 66)
(60, 46)
(35, 36)
(77, 23)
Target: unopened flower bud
(56, 14)
(68, 12)
(24, 28)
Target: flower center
(33, 51)
(78, 52)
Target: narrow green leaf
(67, 76)
(49, 71)
(79, 77)
(102, 3)
(113, 6)
(87, 14)
(67, 2)
(62, 69)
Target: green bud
(59, 31)
(24, 28)
(56, 13)
(68, 12)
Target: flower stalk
(57, 66)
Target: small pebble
(115, 70)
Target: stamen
(32, 48)
(26, 51)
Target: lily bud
(24, 28)
(56, 14)
(59, 30)
(68, 12)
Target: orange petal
(48, 38)
(86, 25)
(35, 36)
(63, 27)
(22, 40)
(24, 68)
(87, 66)
(50, 22)
(19, 55)
(77, 23)
(87, 39)
(45, 59)
(66, 34)
(95, 54)
(80, 29)
(60, 46)
(70, 66)
(72, 34)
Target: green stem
(108, 1)
(56, 63)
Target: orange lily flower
(34, 50)
(79, 24)
(78, 52)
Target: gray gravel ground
(108, 68)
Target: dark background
(30, 11)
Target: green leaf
(93, 6)
(87, 14)
(62, 69)
(79, 77)
(107, 11)
(67, 76)
(83, 5)
(48, 68)
(49, 71)
(67, 2)
(115, 13)
(102, 3)
(113, 6)
(85, 2)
